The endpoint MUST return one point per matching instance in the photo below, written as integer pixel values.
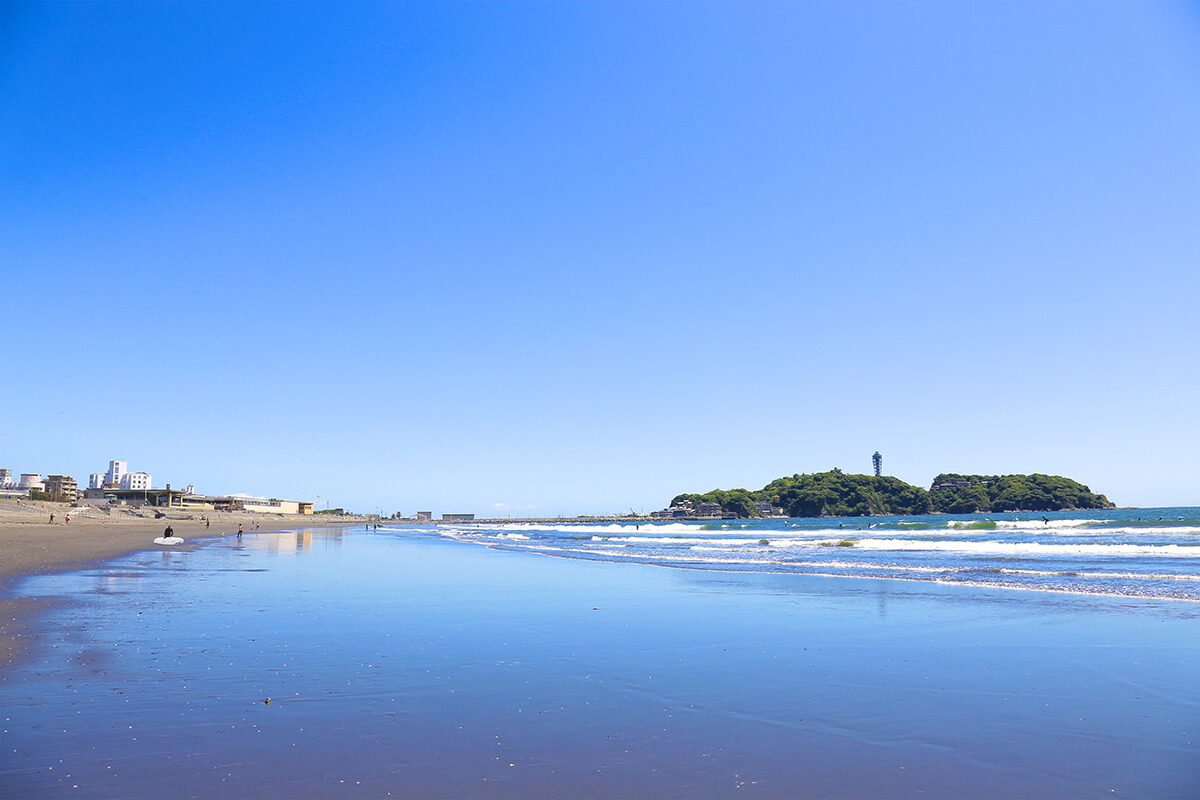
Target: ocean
(934, 658)
(1148, 553)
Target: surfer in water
(1046, 520)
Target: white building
(135, 481)
(246, 502)
(96, 480)
(32, 481)
(115, 470)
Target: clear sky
(578, 257)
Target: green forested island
(836, 494)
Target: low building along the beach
(134, 498)
(10, 488)
(266, 505)
(32, 481)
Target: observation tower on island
(877, 460)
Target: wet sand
(32, 545)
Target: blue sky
(566, 258)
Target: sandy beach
(30, 544)
(398, 664)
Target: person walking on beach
(68, 519)
(207, 522)
(51, 519)
(239, 531)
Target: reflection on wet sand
(299, 541)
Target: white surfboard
(168, 540)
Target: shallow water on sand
(399, 665)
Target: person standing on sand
(51, 519)
(68, 519)
(239, 530)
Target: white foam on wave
(773, 538)
(1139, 576)
(582, 528)
(760, 559)
(1029, 548)
(979, 523)
(673, 540)
(1152, 531)
(1038, 524)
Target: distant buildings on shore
(427, 516)
(119, 486)
(268, 505)
(689, 510)
(119, 477)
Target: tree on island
(959, 494)
(837, 494)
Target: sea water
(1125, 553)
(402, 663)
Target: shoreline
(30, 545)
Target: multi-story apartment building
(135, 481)
(62, 488)
(115, 470)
